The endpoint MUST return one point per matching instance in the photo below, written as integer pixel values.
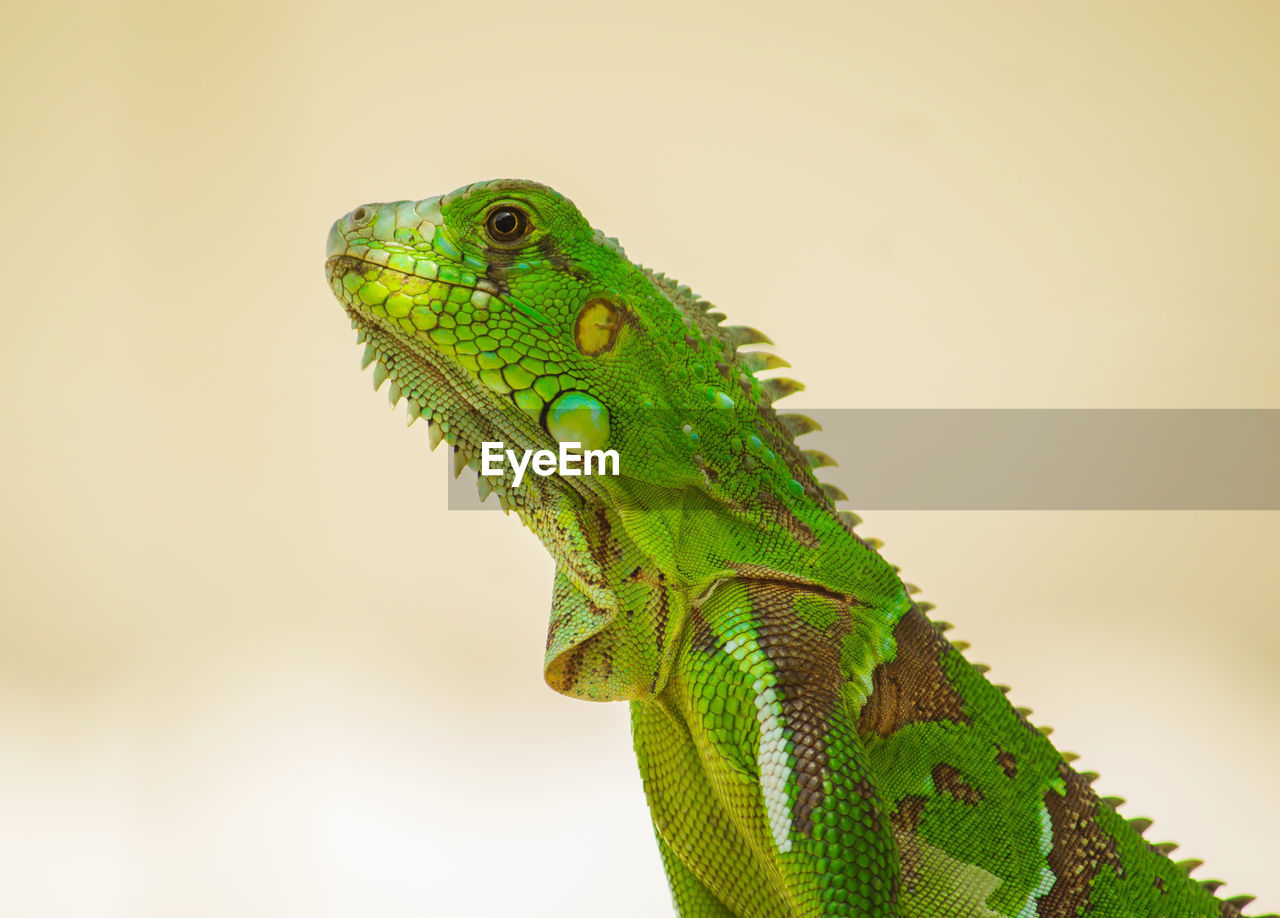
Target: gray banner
(1038, 459)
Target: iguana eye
(507, 224)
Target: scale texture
(809, 740)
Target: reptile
(809, 740)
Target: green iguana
(810, 742)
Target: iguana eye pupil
(507, 224)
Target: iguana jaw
(461, 411)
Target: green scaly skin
(810, 743)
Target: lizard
(809, 741)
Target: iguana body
(810, 743)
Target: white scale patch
(773, 759)
(1046, 875)
(775, 767)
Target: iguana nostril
(361, 215)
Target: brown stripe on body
(661, 607)
(789, 521)
(662, 611)
(806, 661)
(948, 780)
(906, 827)
(703, 638)
(604, 548)
(1008, 764)
(912, 687)
(756, 572)
(1081, 847)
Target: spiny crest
(1139, 824)
(701, 318)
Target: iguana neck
(692, 539)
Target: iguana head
(501, 315)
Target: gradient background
(251, 666)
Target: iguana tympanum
(810, 742)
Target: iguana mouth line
(483, 284)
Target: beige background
(251, 666)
